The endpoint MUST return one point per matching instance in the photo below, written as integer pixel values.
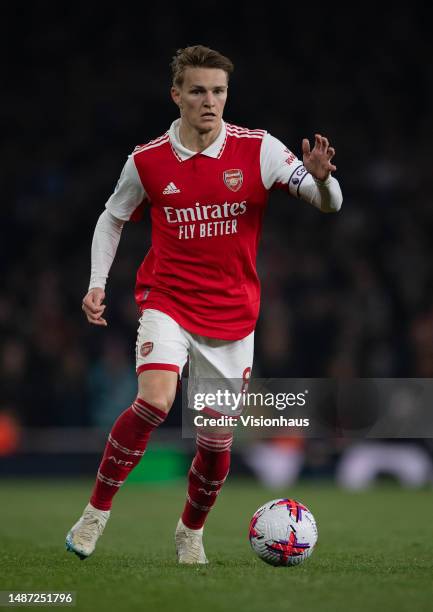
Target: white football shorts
(162, 344)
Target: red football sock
(126, 444)
(208, 472)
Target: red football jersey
(206, 211)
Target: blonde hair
(198, 56)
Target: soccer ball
(283, 532)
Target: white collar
(214, 150)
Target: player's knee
(159, 401)
(158, 389)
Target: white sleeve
(324, 195)
(104, 246)
(128, 194)
(281, 169)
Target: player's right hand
(93, 307)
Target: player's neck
(194, 140)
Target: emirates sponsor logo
(146, 348)
(206, 220)
(205, 212)
(233, 179)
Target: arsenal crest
(146, 348)
(233, 179)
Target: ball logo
(233, 179)
(146, 348)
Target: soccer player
(206, 183)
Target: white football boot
(189, 544)
(82, 537)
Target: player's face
(202, 97)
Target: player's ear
(175, 95)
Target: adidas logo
(171, 188)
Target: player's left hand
(318, 160)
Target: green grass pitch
(375, 550)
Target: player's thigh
(220, 366)
(214, 358)
(161, 353)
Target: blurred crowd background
(347, 295)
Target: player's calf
(125, 447)
(206, 476)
